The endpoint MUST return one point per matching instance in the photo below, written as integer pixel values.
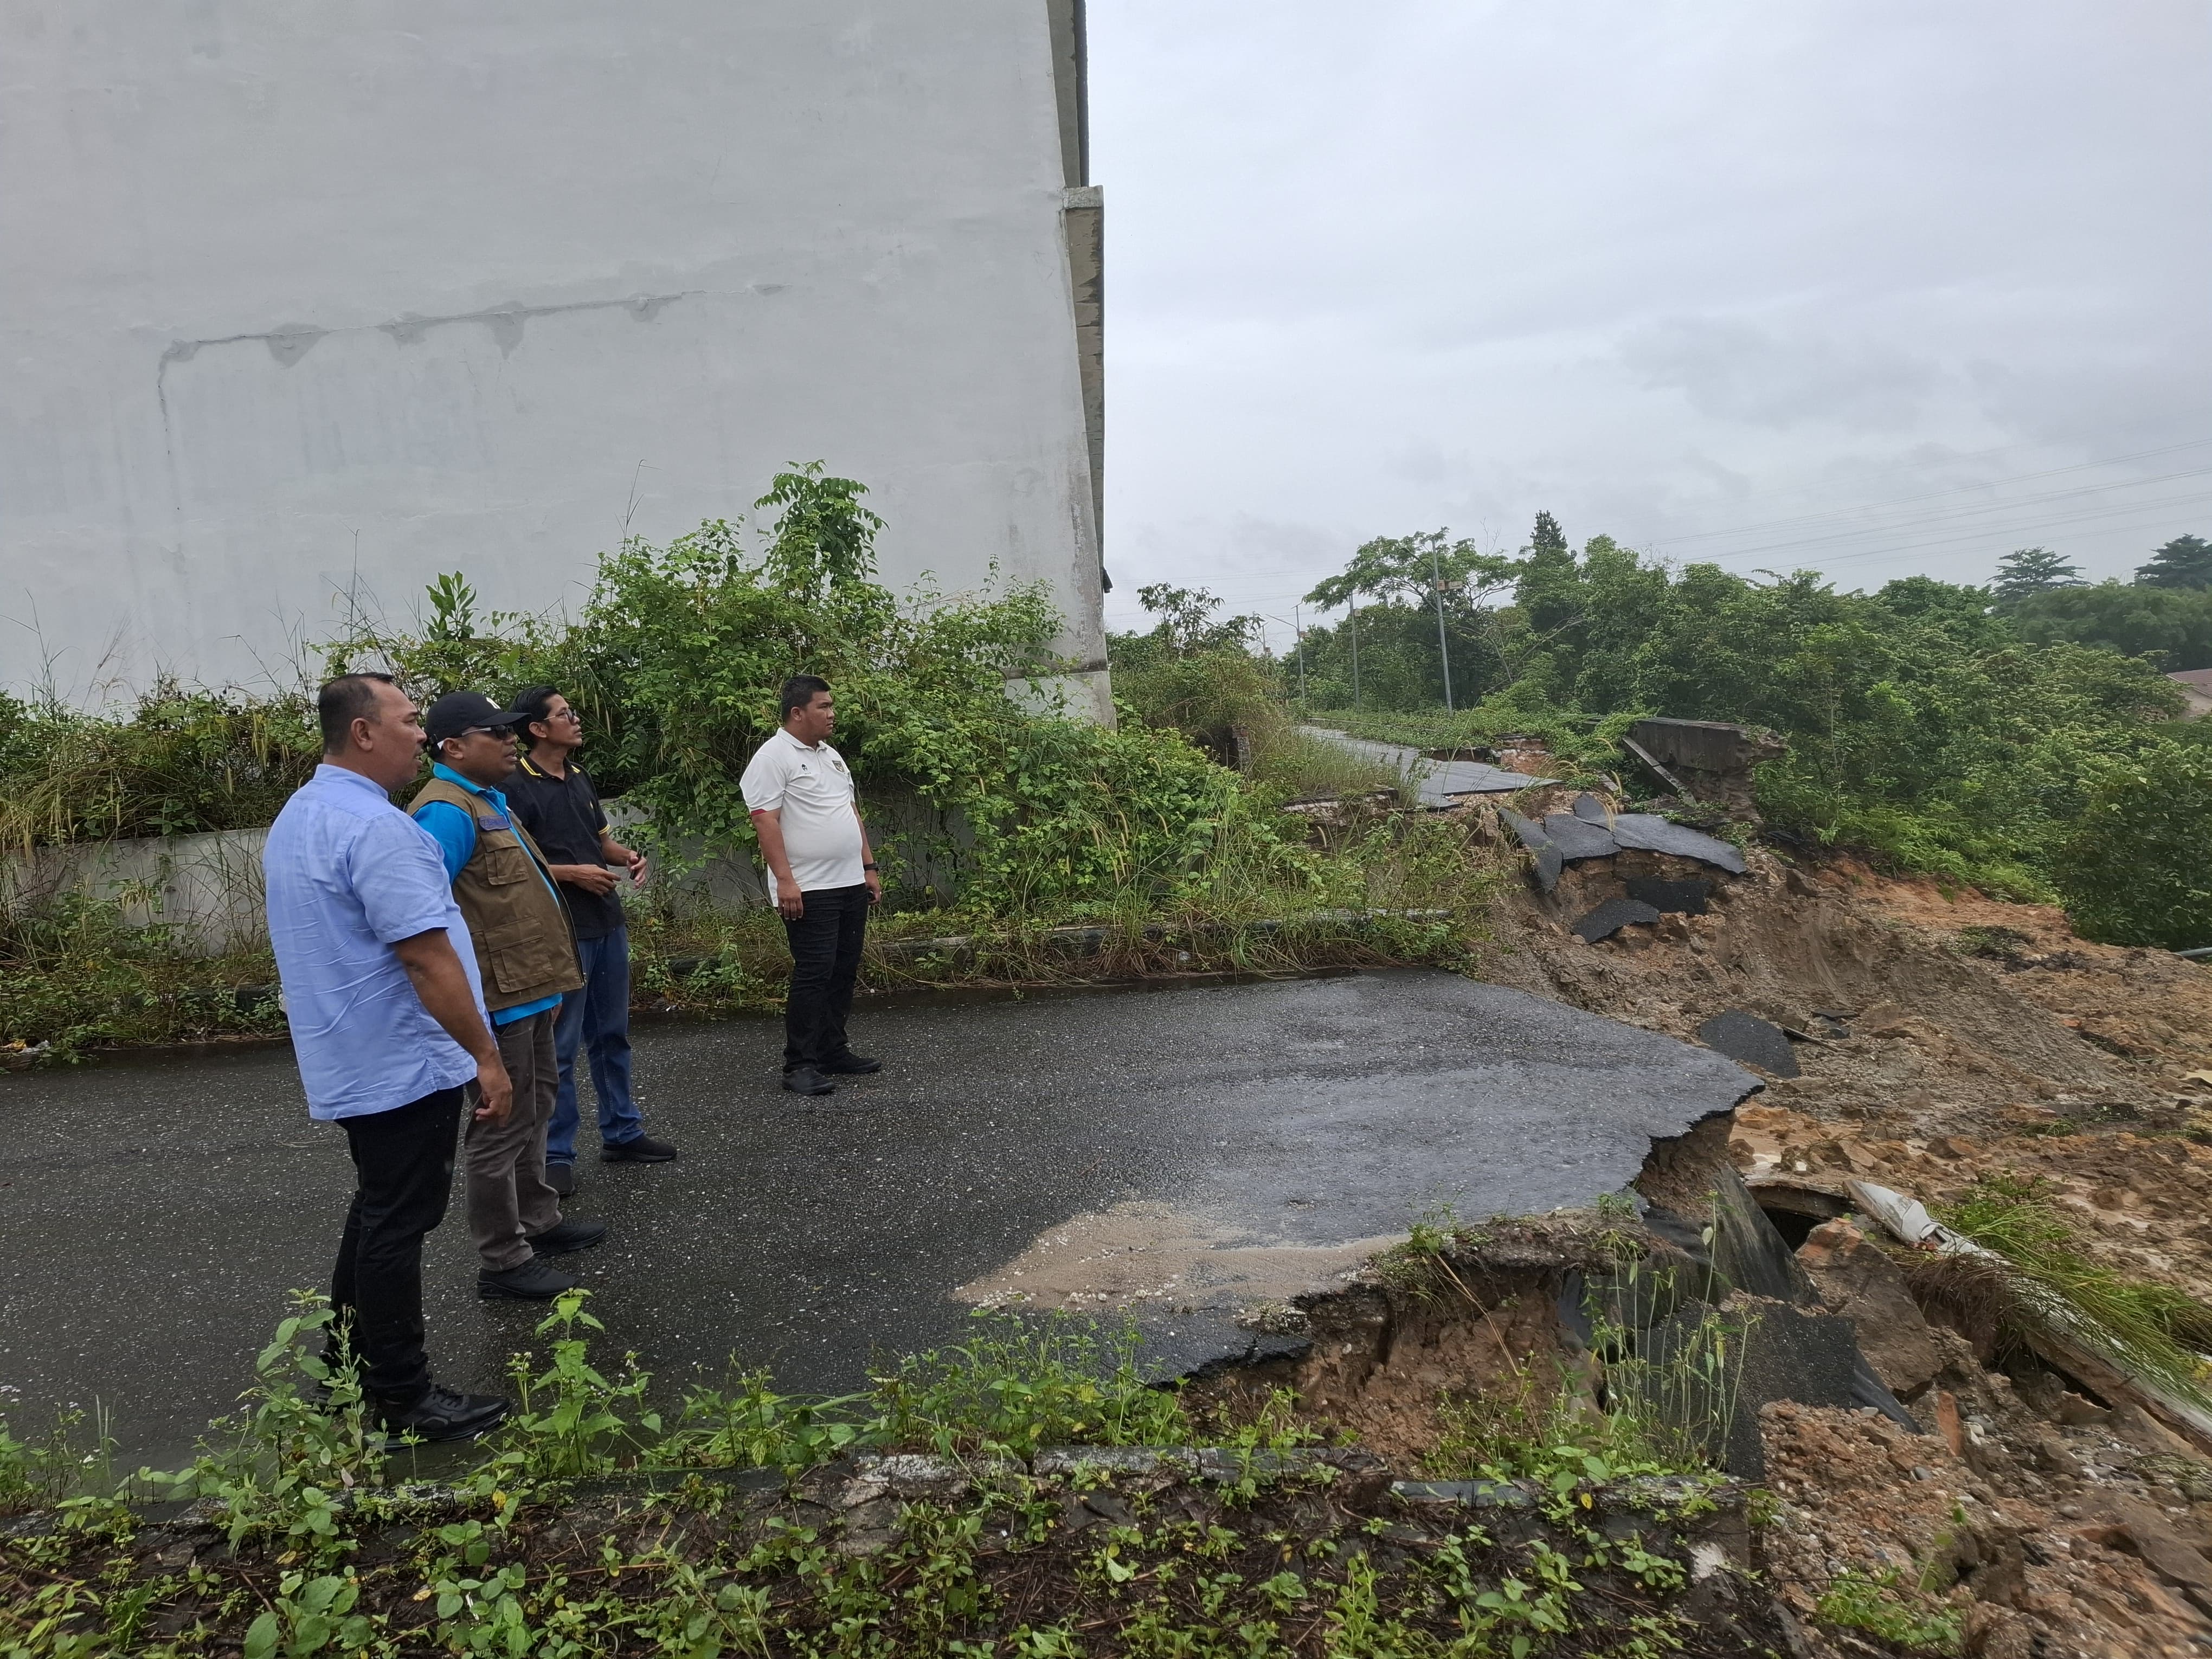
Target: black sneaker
(444, 1413)
(643, 1150)
(534, 1281)
(564, 1237)
(562, 1178)
(805, 1080)
(849, 1064)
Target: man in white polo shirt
(822, 877)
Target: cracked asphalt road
(155, 1212)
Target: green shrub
(1884, 1606)
(75, 976)
(2137, 867)
(181, 761)
(1018, 1386)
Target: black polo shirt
(564, 816)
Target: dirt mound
(1939, 1037)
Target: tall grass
(181, 761)
(2162, 1333)
(1303, 767)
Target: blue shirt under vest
(348, 875)
(455, 832)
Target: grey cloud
(1735, 371)
(1665, 270)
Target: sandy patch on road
(1149, 1254)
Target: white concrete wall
(294, 297)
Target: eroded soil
(1943, 1037)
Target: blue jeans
(597, 1017)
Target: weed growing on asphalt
(45, 1469)
(300, 1455)
(570, 1421)
(749, 1425)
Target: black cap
(464, 711)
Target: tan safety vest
(525, 948)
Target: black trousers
(403, 1163)
(825, 956)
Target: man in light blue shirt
(387, 1011)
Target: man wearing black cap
(526, 958)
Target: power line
(1979, 534)
(1955, 489)
(1958, 514)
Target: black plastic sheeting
(1610, 917)
(1792, 1353)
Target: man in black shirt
(556, 801)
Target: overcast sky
(1880, 287)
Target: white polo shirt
(812, 793)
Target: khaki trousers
(509, 1203)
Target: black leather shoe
(444, 1413)
(849, 1064)
(534, 1281)
(643, 1150)
(566, 1236)
(562, 1178)
(805, 1080)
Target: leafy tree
(2134, 870)
(1187, 624)
(2172, 624)
(2033, 570)
(1407, 567)
(1400, 661)
(2184, 562)
(1195, 675)
(1547, 590)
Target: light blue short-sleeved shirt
(347, 876)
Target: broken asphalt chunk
(1743, 1036)
(1652, 833)
(1591, 810)
(1684, 898)
(1610, 917)
(1578, 838)
(1549, 862)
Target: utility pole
(1355, 652)
(1299, 626)
(1443, 646)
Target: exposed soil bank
(1943, 1039)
